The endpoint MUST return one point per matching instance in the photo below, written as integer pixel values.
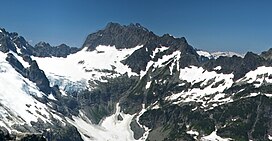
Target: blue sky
(213, 25)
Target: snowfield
(207, 80)
(261, 75)
(110, 128)
(87, 65)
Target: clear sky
(213, 25)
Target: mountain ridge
(147, 86)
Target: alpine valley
(127, 84)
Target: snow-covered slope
(212, 85)
(111, 128)
(83, 66)
(17, 104)
(209, 84)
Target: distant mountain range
(128, 84)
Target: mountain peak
(2, 30)
(42, 44)
(63, 45)
(120, 36)
(112, 25)
(138, 26)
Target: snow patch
(270, 137)
(194, 109)
(191, 132)
(217, 68)
(110, 128)
(194, 133)
(146, 133)
(148, 84)
(52, 97)
(159, 49)
(214, 137)
(160, 62)
(204, 53)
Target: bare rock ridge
(43, 49)
(119, 36)
(14, 42)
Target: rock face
(16, 64)
(6, 45)
(37, 76)
(43, 49)
(267, 54)
(240, 66)
(33, 73)
(119, 36)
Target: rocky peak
(137, 26)
(63, 46)
(3, 31)
(252, 61)
(112, 26)
(267, 54)
(13, 42)
(12, 35)
(6, 44)
(42, 44)
(116, 26)
(43, 49)
(251, 57)
(23, 45)
(21, 40)
(120, 36)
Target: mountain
(43, 49)
(127, 83)
(120, 36)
